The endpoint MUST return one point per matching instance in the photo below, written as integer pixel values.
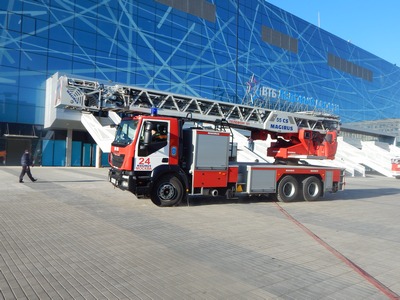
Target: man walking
(26, 163)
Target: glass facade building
(246, 51)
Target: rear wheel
(167, 191)
(312, 188)
(288, 189)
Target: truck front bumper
(119, 178)
(138, 184)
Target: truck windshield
(125, 132)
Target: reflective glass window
(8, 111)
(59, 65)
(28, 25)
(33, 79)
(30, 96)
(84, 39)
(9, 57)
(27, 113)
(14, 21)
(32, 61)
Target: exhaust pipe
(214, 193)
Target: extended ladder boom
(89, 95)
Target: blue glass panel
(105, 23)
(28, 96)
(60, 49)
(76, 154)
(39, 115)
(9, 57)
(87, 150)
(8, 93)
(94, 155)
(42, 27)
(36, 80)
(83, 69)
(59, 153)
(59, 33)
(47, 152)
(28, 25)
(62, 17)
(8, 111)
(3, 6)
(14, 22)
(26, 113)
(104, 160)
(34, 62)
(85, 39)
(59, 65)
(9, 75)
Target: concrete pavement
(71, 235)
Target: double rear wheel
(311, 188)
(290, 189)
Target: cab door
(153, 147)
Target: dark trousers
(26, 170)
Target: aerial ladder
(296, 135)
(299, 135)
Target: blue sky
(370, 24)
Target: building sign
(265, 96)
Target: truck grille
(117, 160)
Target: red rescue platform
(396, 167)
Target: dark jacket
(26, 159)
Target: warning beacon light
(154, 111)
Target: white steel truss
(90, 95)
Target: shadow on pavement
(354, 194)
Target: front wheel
(167, 191)
(288, 189)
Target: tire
(167, 191)
(312, 188)
(288, 189)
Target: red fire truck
(396, 167)
(164, 150)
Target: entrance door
(15, 148)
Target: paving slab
(71, 235)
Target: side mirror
(148, 127)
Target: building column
(68, 154)
(98, 156)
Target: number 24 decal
(144, 161)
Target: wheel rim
(166, 192)
(289, 190)
(313, 189)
